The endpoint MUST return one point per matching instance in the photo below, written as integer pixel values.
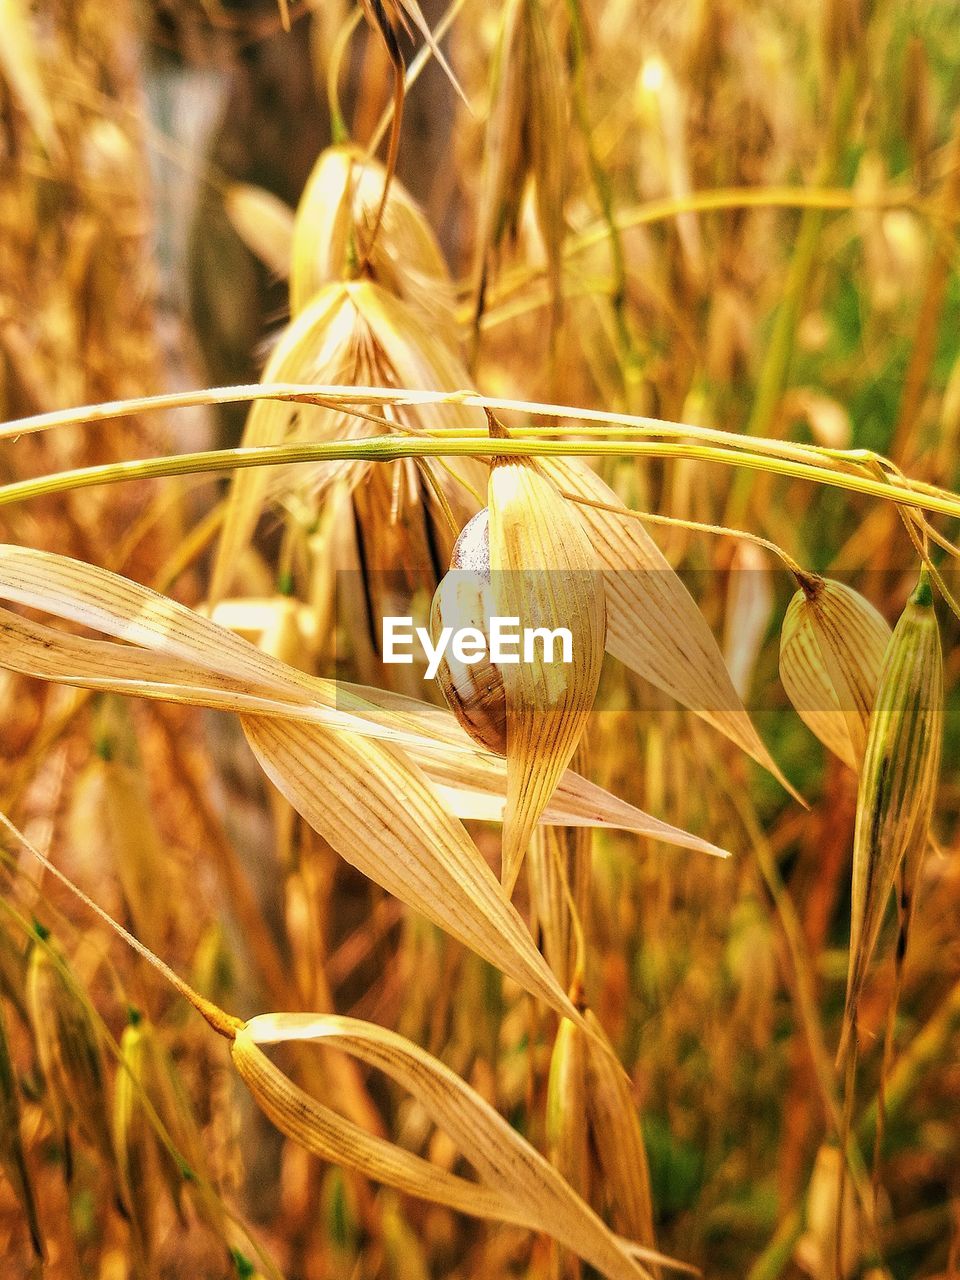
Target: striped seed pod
(832, 646)
(544, 572)
(333, 226)
(898, 781)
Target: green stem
(390, 448)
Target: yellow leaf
(543, 572)
(516, 1184)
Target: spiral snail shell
(474, 691)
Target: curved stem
(391, 448)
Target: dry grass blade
(415, 13)
(401, 836)
(68, 1050)
(618, 1139)
(832, 646)
(264, 223)
(197, 653)
(472, 784)
(897, 783)
(331, 1136)
(524, 1187)
(653, 625)
(106, 667)
(475, 781)
(12, 1158)
(568, 1135)
(543, 572)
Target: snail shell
(474, 691)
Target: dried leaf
(653, 625)
(474, 788)
(516, 1184)
(543, 572)
(400, 835)
(198, 655)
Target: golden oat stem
(389, 449)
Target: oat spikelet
(898, 781)
(544, 573)
(334, 219)
(832, 646)
(352, 333)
